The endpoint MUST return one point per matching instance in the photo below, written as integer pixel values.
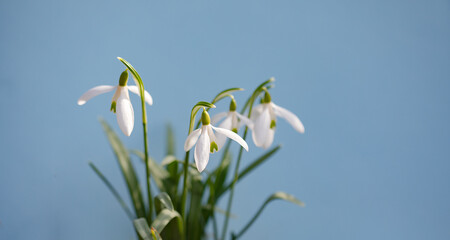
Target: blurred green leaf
(157, 172)
(275, 196)
(113, 191)
(170, 140)
(195, 222)
(144, 230)
(127, 169)
(254, 165)
(164, 217)
(225, 93)
(162, 201)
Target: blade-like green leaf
(254, 165)
(275, 196)
(164, 217)
(113, 191)
(194, 111)
(144, 230)
(157, 172)
(127, 169)
(163, 201)
(195, 223)
(225, 93)
(170, 141)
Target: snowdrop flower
(205, 141)
(233, 121)
(120, 104)
(264, 119)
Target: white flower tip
(272, 79)
(81, 102)
(119, 58)
(213, 106)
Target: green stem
(139, 82)
(249, 104)
(183, 197)
(230, 199)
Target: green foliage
(127, 169)
(275, 196)
(170, 219)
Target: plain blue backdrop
(369, 79)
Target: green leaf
(113, 191)
(195, 223)
(162, 201)
(144, 230)
(256, 163)
(164, 217)
(194, 111)
(170, 140)
(225, 93)
(127, 169)
(157, 172)
(275, 196)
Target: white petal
(221, 139)
(192, 139)
(256, 111)
(216, 118)
(125, 113)
(94, 92)
(269, 138)
(290, 118)
(244, 120)
(148, 97)
(261, 127)
(201, 154)
(232, 135)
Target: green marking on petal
(213, 146)
(234, 130)
(123, 78)
(113, 107)
(273, 124)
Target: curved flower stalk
(232, 120)
(264, 119)
(205, 141)
(121, 104)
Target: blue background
(369, 79)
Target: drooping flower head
(264, 119)
(205, 141)
(232, 120)
(120, 104)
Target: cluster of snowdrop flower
(262, 121)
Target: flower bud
(205, 118)
(123, 78)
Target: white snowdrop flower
(264, 120)
(232, 120)
(120, 104)
(205, 141)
